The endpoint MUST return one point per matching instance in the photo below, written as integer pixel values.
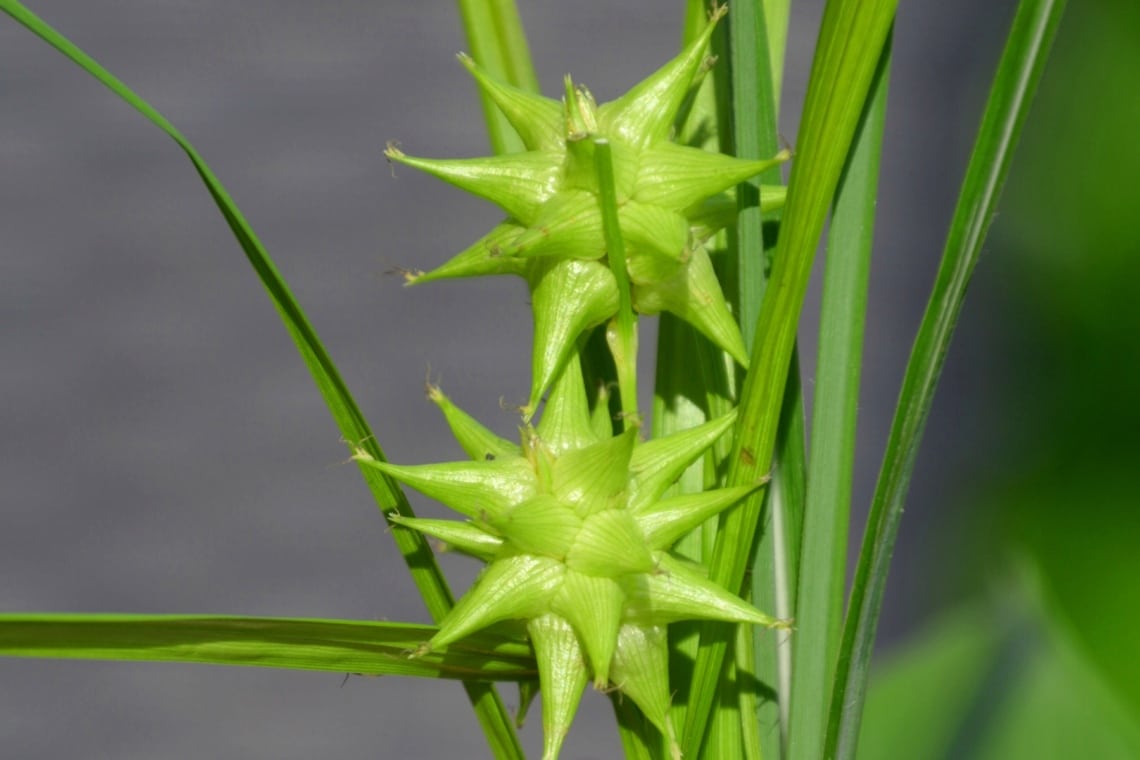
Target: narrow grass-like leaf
(1022, 62)
(754, 49)
(823, 572)
(498, 44)
(341, 646)
(751, 729)
(777, 13)
(352, 424)
(753, 136)
(694, 380)
(851, 38)
(776, 566)
(354, 428)
(743, 119)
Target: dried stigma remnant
(671, 200)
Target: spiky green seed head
(671, 199)
(575, 531)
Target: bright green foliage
(671, 199)
(606, 215)
(576, 535)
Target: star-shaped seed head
(576, 531)
(671, 198)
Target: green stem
(622, 334)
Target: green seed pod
(576, 536)
(671, 199)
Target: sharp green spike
(657, 464)
(513, 588)
(675, 592)
(694, 295)
(640, 669)
(645, 114)
(720, 211)
(665, 521)
(487, 256)
(478, 490)
(537, 120)
(528, 690)
(518, 183)
(677, 176)
(562, 672)
(480, 443)
(460, 536)
(601, 419)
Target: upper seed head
(549, 193)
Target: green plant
(799, 558)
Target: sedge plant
(687, 560)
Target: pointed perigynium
(670, 200)
(575, 532)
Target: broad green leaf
(353, 427)
(341, 646)
(850, 42)
(823, 569)
(1016, 80)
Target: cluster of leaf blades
(792, 546)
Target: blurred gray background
(163, 448)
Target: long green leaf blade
(850, 40)
(354, 428)
(1022, 62)
(759, 37)
(351, 421)
(777, 14)
(823, 572)
(341, 646)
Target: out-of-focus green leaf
(341, 646)
(1018, 72)
(996, 681)
(921, 695)
(1066, 491)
